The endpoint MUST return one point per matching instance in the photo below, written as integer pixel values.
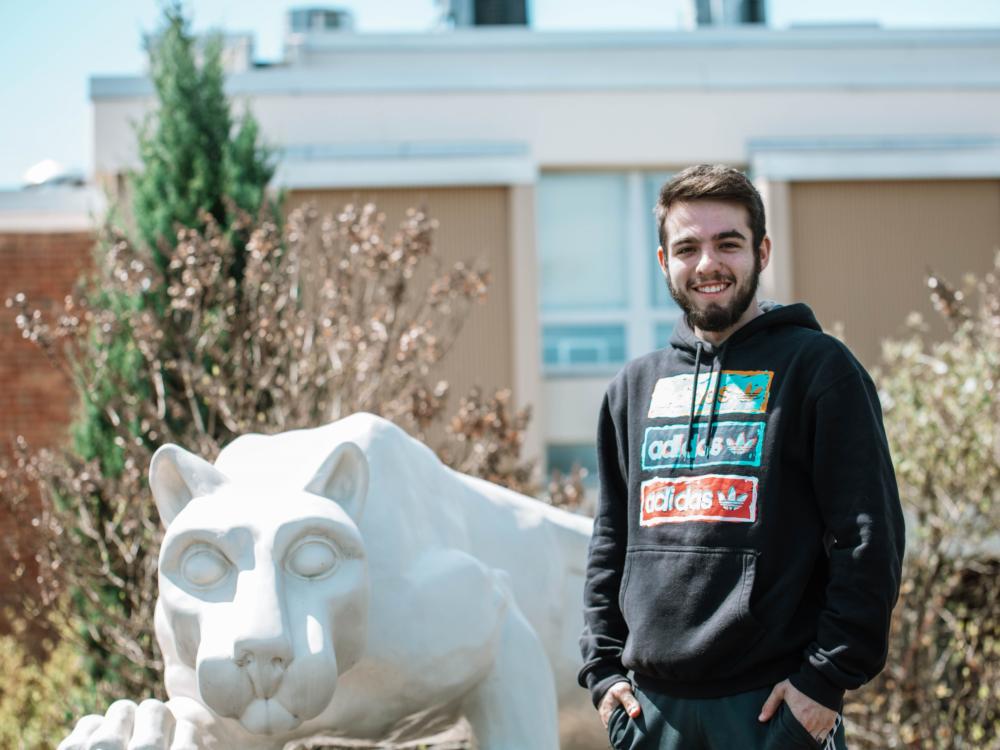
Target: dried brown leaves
(941, 686)
(255, 329)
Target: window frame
(640, 316)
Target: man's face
(710, 264)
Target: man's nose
(708, 261)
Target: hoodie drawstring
(694, 396)
(715, 398)
(692, 450)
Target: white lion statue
(343, 582)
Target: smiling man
(748, 540)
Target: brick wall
(36, 399)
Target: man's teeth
(712, 288)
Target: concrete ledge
(430, 164)
(875, 158)
(496, 60)
(60, 209)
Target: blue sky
(50, 48)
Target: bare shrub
(941, 687)
(334, 314)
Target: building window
(569, 346)
(662, 333)
(659, 295)
(583, 232)
(603, 297)
(563, 457)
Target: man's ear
(343, 478)
(765, 252)
(661, 258)
(177, 476)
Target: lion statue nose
(264, 661)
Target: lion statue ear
(177, 476)
(343, 478)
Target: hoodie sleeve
(604, 630)
(859, 503)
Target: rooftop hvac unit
(729, 12)
(312, 20)
(488, 12)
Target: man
(748, 539)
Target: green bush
(40, 699)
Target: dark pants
(728, 723)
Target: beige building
(878, 153)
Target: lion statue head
(263, 584)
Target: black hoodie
(775, 550)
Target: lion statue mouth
(268, 716)
(272, 702)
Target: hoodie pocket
(688, 611)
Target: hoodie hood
(693, 349)
(773, 314)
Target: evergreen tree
(193, 166)
(192, 161)
(197, 168)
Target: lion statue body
(342, 582)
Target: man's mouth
(712, 288)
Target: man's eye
(204, 567)
(312, 558)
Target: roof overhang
(875, 158)
(403, 164)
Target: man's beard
(716, 317)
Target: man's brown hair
(716, 182)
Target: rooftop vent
(50, 173)
(313, 20)
(729, 12)
(462, 13)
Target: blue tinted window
(564, 456)
(662, 332)
(576, 345)
(581, 241)
(659, 295)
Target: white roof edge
(141, 88)
(934, 142)
(480, 39)
(62, 209)
(365, 171)
(876, 158)
(410, 149)
(321, 77)
(47, 223)
(317, 82)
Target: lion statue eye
(204, 566)
(312, 558)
